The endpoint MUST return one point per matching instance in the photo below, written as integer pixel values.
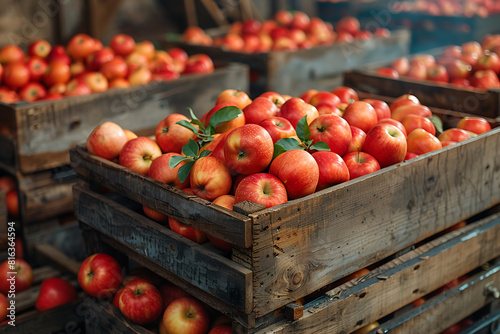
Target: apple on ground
(420, 141)
(23, 276)
(100, 275)
(332, 169)
(138, 154)
(186, 315)
(261, 188)
(298, 170)
(55, 292)
(386, 143)
(332, 130)
(209, 178)
(141, 302)
(360, 163)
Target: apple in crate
(261, 188)
(161, 171)
(221, 127)
(278, 128)
(346, 94)
(420, 141)
(171, 136)
(141, 302)
(361, 115)
(210, 178)
(170, 292)
(454, 134)
(55, 292)
(295, 109)
(381, 108)
(226, 201)
(186, 316)
(386, 143)
(260, 109)
(199, 64)
(477, 125)
(122, 44)
(40, 48)
(237, 98)
(22, 272)
(100, 276)
(403, 111)
(221, 329)
(332, 130)
(332, 169)
(138, 154)
(357, 141)
(360, 163)
(106, 140)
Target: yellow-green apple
(458, 69)
(138, 154)
(410, 155)
(199, 63)
(221, 329)
(248, 149)
(485, 79)
(15, 275)
(278, 128)
(55, 292)
(106, 140)
(226, 201)
(295, 108)
(147, 48)
(100, 275)
(402, 65)
(275, 98)
(260, 109)
(115, 68)
(77, 87)
(308, 94)
(170, 292)
(360, 163)
(386, 143)
(381, 108)
(122, 44)
(4, 304)
(361, 115)
(161, 171)
(130, 135)
(387, 72)
(140, 76)
(349, 24)
(477, 125)
(357, 141)
(171, 136)
(437, 73)
(454, 134)
(332, 169)
(141, 302)
(40, 48)
(155, 215)
(261, 188)
(346, 94)
(186, 316)
(420, 141)
(403, 111)
(237, 98)
(210, 178)
(298, 170)
(417, 70)
(412, 122)
(333, 130)
(403, 100)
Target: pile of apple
(467, 8)
(287, 31)
(85, 66)
(142, 300)
(471, 65)
(277, 148)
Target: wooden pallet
(37, 136)
(294, 72)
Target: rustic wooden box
(286, 252)
(37, 136)
(294, 72)
(480, 102)
(380, 294)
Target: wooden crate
(381, 294)
(37, 136)
(286, 252)
(65, 318)
(294, 72)
(480, 102)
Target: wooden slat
(192, 210)
(59, 258)
(304, 244)
(208, 271)
(381, 292)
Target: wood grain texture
(215, 220)
(59, 258)
(209, 271)
(41, 133)
(368, 298)
(304, 244)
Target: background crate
(37, 136)
(294, 72)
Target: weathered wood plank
(304, 244)
(208, 271)
(59, 258)
(381, 292)
(215, 220)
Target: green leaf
(205, 153)
(190, 149)
(289, 144)
(183, 172)
(302, 129)
(194, 119)
(223, 115)
(438, 124)
(278, 150)
(175, 160)
(188, 125)
(210, 130)
(320, 146)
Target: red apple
(106, 140)
(278, 128)
(477, 125)
(260, 109)
(472, 47)
(37, 67)
(346, 94)
(171, 136)
(236, 97)
(344, 37)
(248, 149)
(463, 83)
(360, 163)
(210, 178)
(362, 115)
(308, 94)
(122, 44)
(417, 70)
(16, 75)
(170, 292)
(15, 276)
(155, 215)
(420, 141)
(7, 183)
(58, 53)
(325, 98)
(226, 201)
(100, 275)
(458, 69)
(12, 201)
(77, 87)
(138, 154)
(381, 108)
(485, 79)
(58, 72)
(140, 76)
(161, 171)
(187, 231)
(118, 83)
(295, 108)
(454, 134)
(186, 316)
(404, 100)
(32, 92)
(283, 17)
(403, 111)
(221, 329)
(427, 59)
(387, 72)
(298, 170)
(199, 63)
(349, 24)
(261, 188)
(410, 155)
(488, 61)
(402, 65)
(81, 46)
(115, 68)
(332, 169)
(437, 73)
(222, 127)
(11, 54)
(333, 130)
(141, 302)
(55, 292)
(276, 98)
(146, 48)
(412, 122)
(386, 143)
(357, 141)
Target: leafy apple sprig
(205, 133)
(306, 143)
(191, 153)
(438, 124)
